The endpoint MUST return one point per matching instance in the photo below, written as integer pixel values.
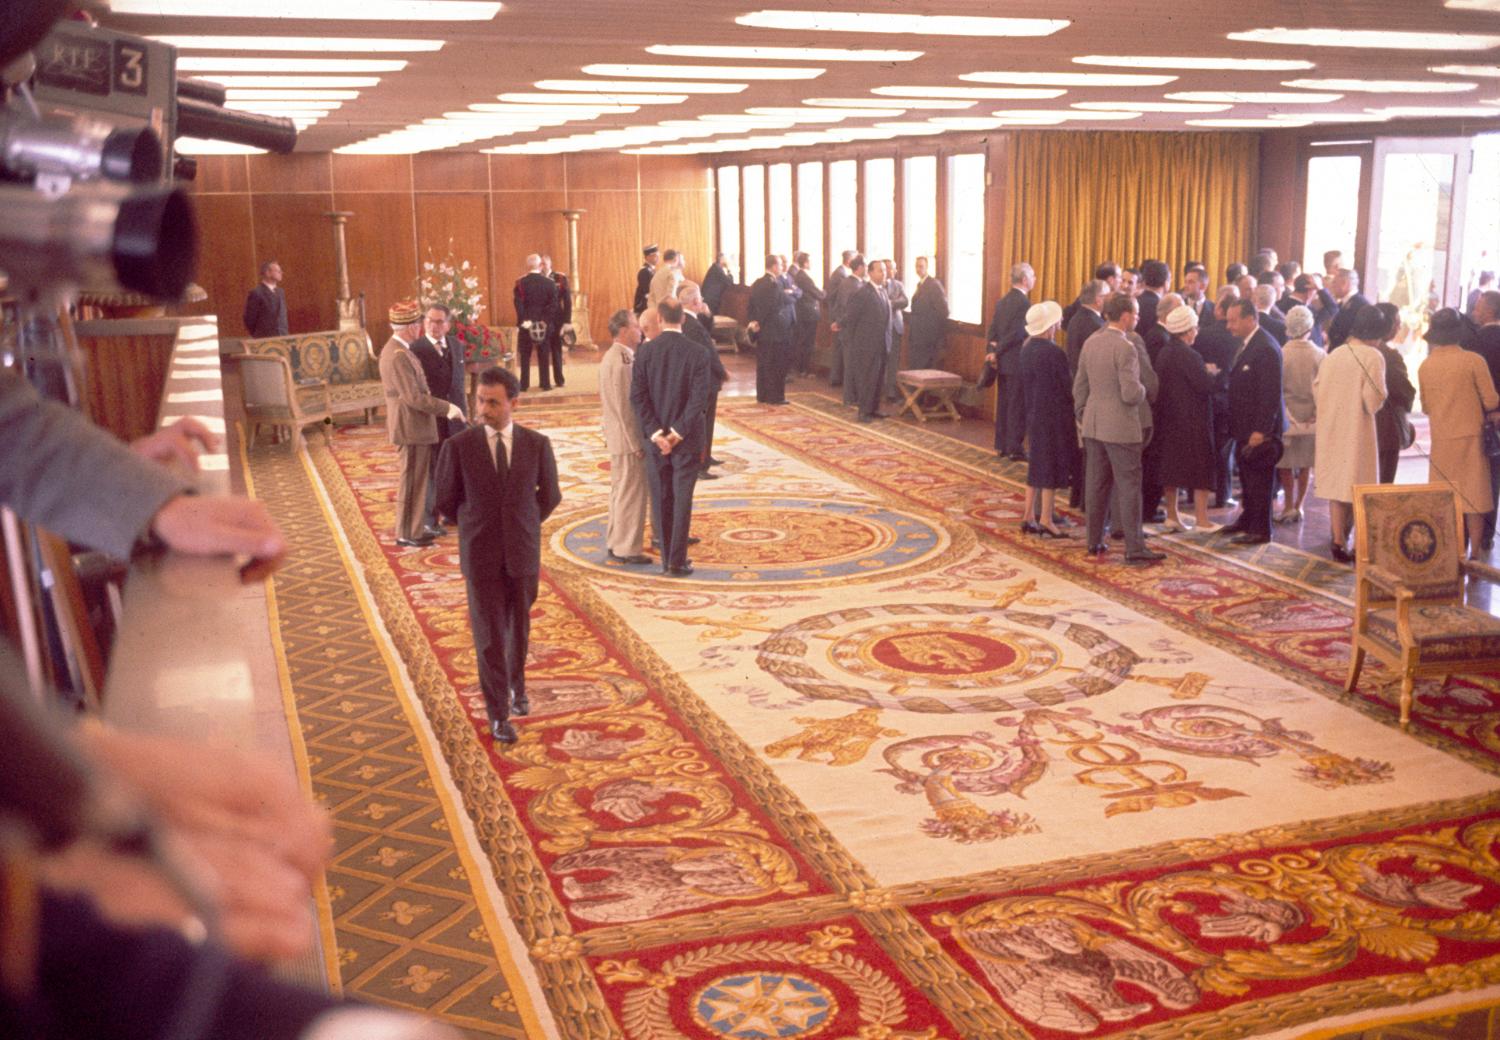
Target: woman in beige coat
(1458, 396)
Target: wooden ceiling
(531, 40)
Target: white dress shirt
(501, 437)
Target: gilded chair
(273, 399)
(1409, 576)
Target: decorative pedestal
(582, 337)
(348, 307)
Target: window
(810, 216)
(843, 194)
(755, 222)
(729, 217)
(880, 209)
(919, 216)
(1332, 209)
(965, 266)
(780, 206)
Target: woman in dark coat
(1183, 416)
(927, 329)
(1051, 436)
(1392, 427)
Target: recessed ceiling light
(1420, 111)
(569, 111)
(780, 53)
(291, 82)
(1482, 71)
(242, 94)
(1254, 97)
(977, 93)
(1303, 118)
(363, 10)
(323, 44)
(776, 72)
(1279, 124)
(1186, 63)
(209, 63)
(1070, 79)
(1055, 115)
(824, 115)
(904, 102)
(967, 122)
(913, 24)
(542, 97)
(1383, 86)
(1473, 5)
(1150, 106)
(1378, 39)
(202, 146)
(639, 86)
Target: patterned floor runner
(882, 767)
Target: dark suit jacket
(642, 287)
(1147, 301)
(536, 300)
(499, 517)
(1008, 331)
(669, 389)
(445, 378)
(773, 308)
(1255, 390)
(1486, 343)
(807, 303)
(1083, 325)
(717, 373)
(265, 312)
(1343, 321)
(1275, 324)
(564, 298)
(714, 284)
(869, 324)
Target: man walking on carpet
(500, 480)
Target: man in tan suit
(626, 530)
(666, 278)
(411, 415)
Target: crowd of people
(1283, 380)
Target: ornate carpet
(881, 768)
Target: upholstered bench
(338, 361)
(914, 382)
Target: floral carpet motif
(883, 767)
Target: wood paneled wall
(491, 210)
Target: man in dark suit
(1195, 293)
(442, 359)
(843, 293)
(773, 315)
(500, 480)
(1345, 290)
(805, 332)
(715, 281)
(1266, 314)
(1256, 420)
(669, 392)
(536, 302)
(265, 307)
(564, 316)
(1156, 279)
(1007, 334)
(1108, 273)
(643, 278)
(1486, 343)
(691, 298)
(1307, 291)
(867, 323)
(1217, 346)
(1087, 319)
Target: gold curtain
(1075, 199)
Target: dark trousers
(770, 370)
(836, 363)
(1114, 491)
(1151, 487)
(1258, 488)
(1489, 517)
(672, 478)
(1223, 466)
(864, 380)
(1389, 458)
(500, 617)
(708, 423)
(555, 349)
(1010, 415)
(804, 336)
(525, 345)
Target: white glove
(455, 412)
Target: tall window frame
(919, 216)
(810, 216)
(753, 235)
(880, 208)
(965, 222)
(727, 181)
(843, 206)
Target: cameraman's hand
(179, 442)
(213, 525)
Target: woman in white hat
(1184, 420)
(1300, 360)
(1051, 435)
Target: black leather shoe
(1341, 554)
(1145, 556)
(1118, 536)
(713, 462)
(693, 539)
(520, 706)
(1099, 550)
(680, 572)
(503, 731)
(434, 531)
(416, 543)
(704, 474)
(1016, 456)
(638, 558)
(1246, 538)
(1030, 527)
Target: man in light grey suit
(625, 533)
(1107, 398)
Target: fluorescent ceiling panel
(201, 146)
(1482, 71)
(209, 63)
(814, 115)
(911, 24)
(360, 10)
(1254, 97)
(571, 111)
(1422, 111)
(1150, 106)
(639, 86)
(977, 93)
(779, 53)
(291, 82)
(322, 44)
(1303, 118)
(1473, 5)
(1279, 124)
(1376, 39)
(905, 102)
(1382, 86)
(242, 94)
(776, 72)
(1070, 79)
(1192, 63)
(591, 100)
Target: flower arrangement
(480, 343)
(455, 284)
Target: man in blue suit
(1256, 420)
